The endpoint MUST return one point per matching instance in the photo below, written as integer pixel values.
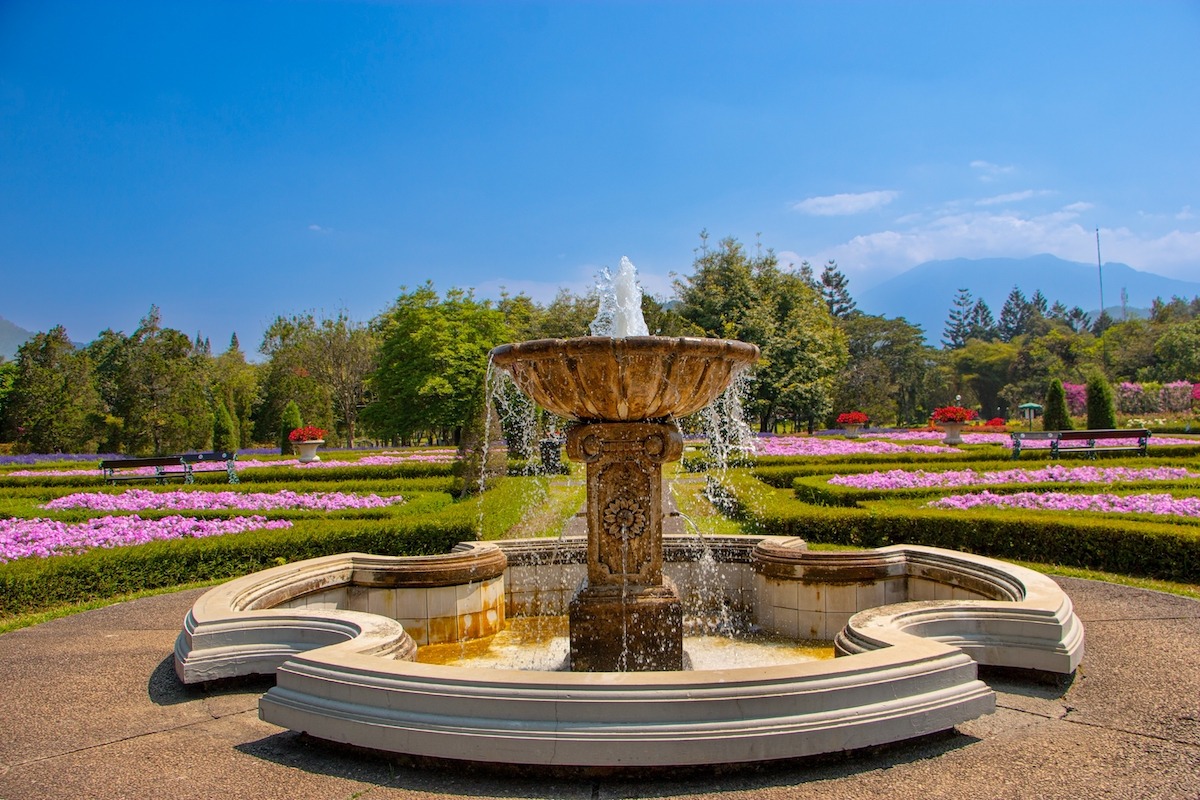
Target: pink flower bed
(386, 459)
(919, 479)
(145, 499)
(38, 538)
(1006, 439)
(1163, 504)
(820, 446)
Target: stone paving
(91, 709)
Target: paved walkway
(91, 708)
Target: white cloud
(315, 228)
(989, 172)
(1185, 213)
(842, 204)
(1012, 197)
(1078, 207)
(873, 257)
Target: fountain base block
(626, 629)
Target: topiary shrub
(288, 423)
(1057, 417)
(225, 432)
(1101, 407)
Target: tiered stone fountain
(340, 633)
(624, 394)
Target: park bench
(1092, 441)
(117, 470)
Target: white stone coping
(909, 670)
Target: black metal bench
(114, 470)
(1091, 440)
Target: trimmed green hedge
(1152, 549)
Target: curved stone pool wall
(345, 674)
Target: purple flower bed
(1163, 504)
(811, 446)
(29, 459)
(38, 538)
(145, 499)
(919, 479)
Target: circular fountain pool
(910, 624)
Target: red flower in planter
(953, 414)
(852, 418)
(308, 433)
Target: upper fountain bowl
(604, 379)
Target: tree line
(416, 372)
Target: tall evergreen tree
(983, 324)
(958, 322)
(1014, 316)
(288, 422)
(225, 434)
(1101, 405)
(1056, 416)
(835, 291)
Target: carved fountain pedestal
(628, 617)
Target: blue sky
(231, 162)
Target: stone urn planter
(852, 430)
(953, 432)
(307, 451)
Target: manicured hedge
(1152, 549)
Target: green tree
(225, 435)
(53, 406)
(886, 371)
(286, 377)
(341, 354)
(733, 295)
(433, 361)
(289, 420)
(835, 290)
(236, 383)
(983, 368)
(958, 321)
(1178, 352)
(1015, 315)
(161, 383)
(1101, 407)
(1055, 416)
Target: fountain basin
(599, 378)
(911, 622)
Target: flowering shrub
(309, 433)
(1060, 501)
(996, 422)
(953, 414)
(919, 479)
(814, 446)
(852, 418)
(1177, 397)
(25, 538)
(144, 499)
(1076, 397)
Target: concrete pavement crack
(1066, 718)
(133, 737)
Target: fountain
(623, 392)
(909, 623)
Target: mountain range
(12, 336)
(925, 294)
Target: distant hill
(924, 294)
(11, 337)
